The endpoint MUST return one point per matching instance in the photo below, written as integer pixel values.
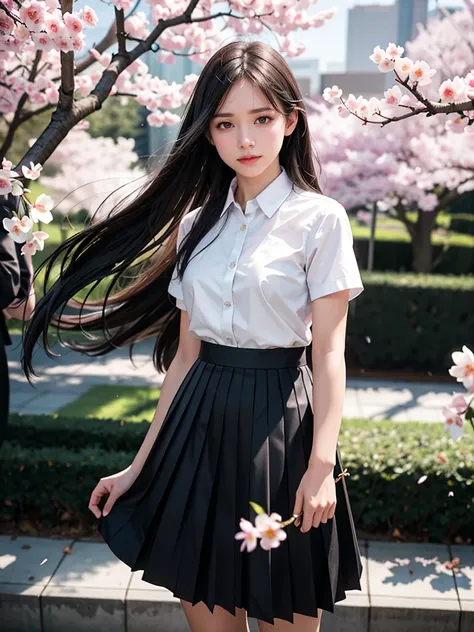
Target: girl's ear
(291, 122)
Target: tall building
(306, 72)
(410, 12)
(367, 27)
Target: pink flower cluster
(416, 74)
(267, 529)
(463, 371)
(20, 226)
(38, 25)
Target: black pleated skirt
(239, 429)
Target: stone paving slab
(368, 398)
(410, 588)
(464, 578)
(405, 588)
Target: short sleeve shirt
(254, 284)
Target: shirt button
(229, 339)
(227, 304)
(243, 226)
(232, 265)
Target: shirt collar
(270, 199)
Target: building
(410, 13)
(367, 27)
(307, 76)
(369, 84)
(370, 26)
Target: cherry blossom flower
(32, 172)
(421, 73)
(89, 16)
(41, 209)
(249, 535)
(463, 369)
(453, 423)
(331, 94)
(18, 229)
(270, 531)
(453, 90)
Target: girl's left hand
(316, 497)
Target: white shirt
(253, 286)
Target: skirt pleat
(234, 433)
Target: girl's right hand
(114, 485)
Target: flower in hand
(269, 529)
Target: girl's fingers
(298, 506)
(96, 495)
(308, 514)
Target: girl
(261, 254)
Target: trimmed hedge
(56, 470)
(462, 223)
(410, 322)
(397, 256)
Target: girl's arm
(329, 375)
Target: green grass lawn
(130, 403)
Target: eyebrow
(227, 114)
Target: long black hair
(135, 246)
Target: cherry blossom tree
(113, 165)
(447, 40)
(40, 41)
(38, 72)
(416, 165)
(434, 154)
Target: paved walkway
(63, 380)
(49, 585)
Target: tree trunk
(373, 225)
(422, 246)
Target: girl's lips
(249, 161)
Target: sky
(328, 43)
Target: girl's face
(246, 124)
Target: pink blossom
(453, 423)
(18, 229)
(41, 209)
(270, 531)
(331, 94)
(73, 23)
(453, 90)
(456, 123)
(386, 65)
(421, 73)
(403, 66)
(394, 51)
(463, 369)
(249, 534)
(32, 172)
(53, 25)
(42, 41)
(89, 16)
(6, 23)
(343, 111)
(378, 55)
(5, 182)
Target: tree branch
(66, 90)
(121, 34)
(63, 120)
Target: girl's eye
(229, 123)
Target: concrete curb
(47, 584)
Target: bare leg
(201, 619)
(301, 623)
